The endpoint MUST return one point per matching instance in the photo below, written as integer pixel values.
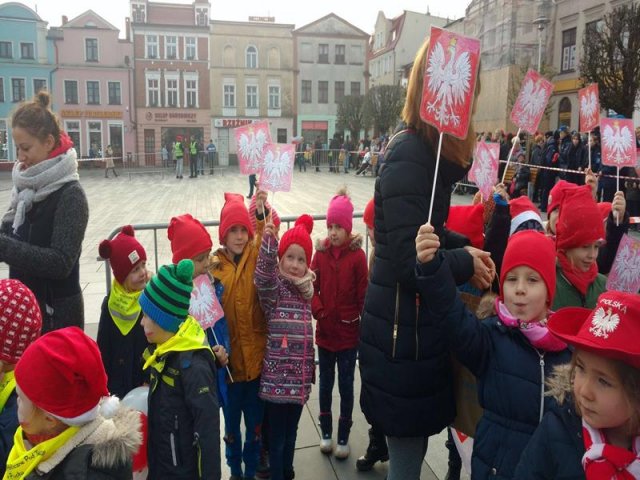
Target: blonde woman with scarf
(41, 234)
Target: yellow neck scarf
(22, 462)
(123, 307)
(190, 336)
(7, 386)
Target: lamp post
(540, 22)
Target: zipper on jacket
(541, 386)
(172, 439)
(196, 444)
(395, 321)
(417, 316)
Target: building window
(39, 84)
(152, 46)
(306, 91)
(355, 88)
(191, 93)
(1, 90)
(202, 17)
(171, 46)
(153, 92)
(73, 130)
(4, 140)
(564, 113)
(323, 91)
(17, 89)
(229, 96)
(568, 50)
(172, 92)
(91, 49)
(190, 46)
(594, 27)
(340, 54)
(338, 91)
(274, 96)
(26, 51)
(5, 50)
(93, 93)
(355, 55)
(282, 135)
(251, 57)
(115, 97)
(71, 92)
(323, 53)
(252, 96)
(95, 138)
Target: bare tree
(611, 58)
(352, 115)
(383, 105)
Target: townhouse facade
(92, 85)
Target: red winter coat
(338, 297)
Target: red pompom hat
(557, 193)
(580, 222)
(20, 319)
(189, 238)
(300, 234)
(521, 210)
(234, 212)
(468, 220)
(535, 250)
(124, 252)
(62, 373)
(369, 213)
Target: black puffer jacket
(404, 361)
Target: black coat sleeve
(495, 241)
(538, 462)
(608, 251)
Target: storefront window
(95, 139)
(4, 141)
(73, 130)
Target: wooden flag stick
(513, 145)
(589, 147)
(215, 339)
(617, 190)
(435, 178)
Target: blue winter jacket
(8, 427)
(510, 373)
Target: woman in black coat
(407, 390)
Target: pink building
(92, 86)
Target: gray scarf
(35, 183)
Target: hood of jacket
(559, 385)
(355, 243)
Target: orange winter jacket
(246, 322)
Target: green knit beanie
(166, 297)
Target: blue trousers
(243, 400)
(346, 360)
(283, 430)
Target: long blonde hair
(454, 150)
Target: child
(510, 354)
(120, 336)
(22, 320)
(340, 266)
(285, 289)
(234, 266)
(184, 421)
(69, 426)
(579, 233)
(594, 431)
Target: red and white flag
(625, 271)
(618, 142)
(251, 143)
(589, 101)
(449, 81)
(277, 168)
(484, 170)
(531, 102)
(464, 445)
(204, 305)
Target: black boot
(376, 451)
(264, 469)
(455, 462)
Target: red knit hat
(62, 373)
(20, 319)
(275, 218)
(605, 209)
(468, 220)
(522, 209)
(188, 238)
(535, 250)
(124, 252)
(369, 213)
(611, 329)
(300, 234)
(579, 222)
(340, 212)
(234, 212)
(557, 193)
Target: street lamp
(540, 22)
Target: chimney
(127, 24)
(65, 19)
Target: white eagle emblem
(618, 141)
(604, 322)
(532, 100)
(589, 106)
(251, 146)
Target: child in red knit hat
(234, 264)
(20, 326)
(340, 266)
(509, 353)
(595, 431)
(120, 336)
(285, 289)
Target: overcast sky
(358, 12)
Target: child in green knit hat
(184, 420)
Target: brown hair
(539, 138)
(453, 149)
(630, 381)
(37, 118)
